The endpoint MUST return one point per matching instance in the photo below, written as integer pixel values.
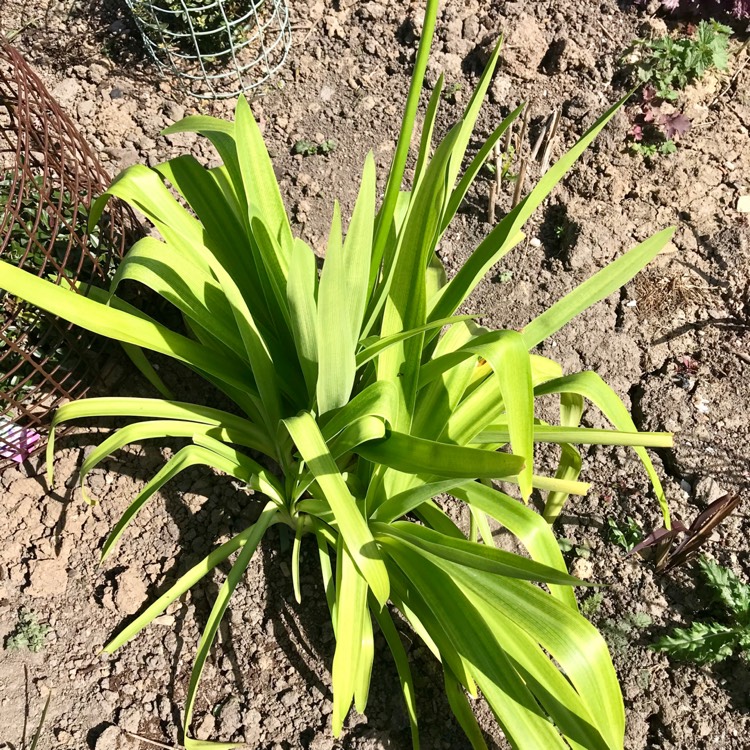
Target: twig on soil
(736, 75)
(740, 355)
(520, 177)
(492, 200)
(498, 168)
(148, 741)
(539, 141)
(606, 30)
(524, 127)
(552, 133)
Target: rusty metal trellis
(48, 178)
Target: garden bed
(674, 344)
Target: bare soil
(674, 344)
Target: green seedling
(591, 604)
(710, 641)
(581, 550)
(450, 91)
(310, 148)
(664, 67)
(28, 633)
(625, 535)
(670, 64)
(620, 633)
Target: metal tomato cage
(218, 48)
(48, 178)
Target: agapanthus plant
(367, 398)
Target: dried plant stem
(492, 201)
(550, 140)
(148, 741)
(539, 141)
(498, 167)
(524, 128)
(737, 73)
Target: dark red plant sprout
(678, 545)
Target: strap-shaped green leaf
(352, 526)
(594, 389)
(440, 398)
(371, 351)
(506, 354)
(224, 232)
(261, 187)
(568, 469)
(192, 290)
(376, 400)
(544, 433)
(183, 584)
(462, 711)
(466, 181)
(417, 456)
(425, 140)
(404, 502)
(342, 297)
(529, 527)
(514, 704)
(301, 293)
(326, 570)
(599, 286)
(410, 602)
(150, 430)
(550, 687)
(191, 455)
(473, 555)
(385, 217)
(267, 517)
(568, 637)
(405, 306)
(222, 135)
(153, 408)
(352, 660)
(144, 189)
(116, 324)
(401, 660)
(507, 233)
(468, 121)
(138, 357)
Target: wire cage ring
(217, 48)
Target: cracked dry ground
(673, 343)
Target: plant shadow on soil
(301, 631)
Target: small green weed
(665, 66)
(29, 633)
(577, 550)
(450, 92)
(591, 604)
(626, 535)
(669, 64)
(619, 633)
(310, 148)
(714, 640)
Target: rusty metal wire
(48, 178)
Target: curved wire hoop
(218, 48)
(48, 178)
